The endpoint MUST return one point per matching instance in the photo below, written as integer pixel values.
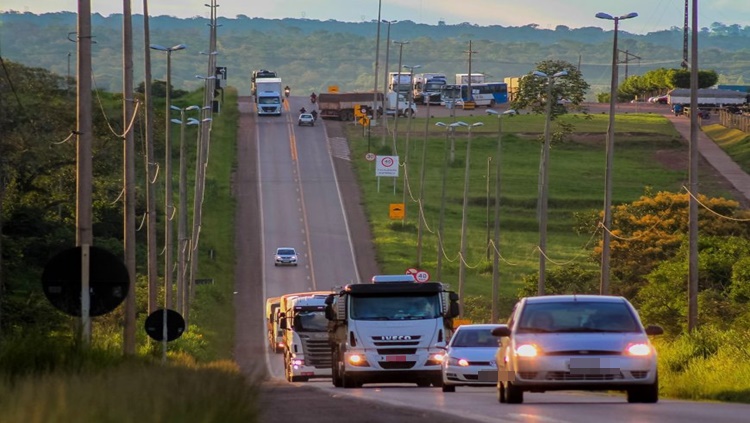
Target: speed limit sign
(422, 276)
(370, 157)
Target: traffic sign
(396, 211)
(411, 271)
(364, 121)
(422, 276)
(358, 111)
(386, 166)
(155, 325)
(108, 281)
(370, 157)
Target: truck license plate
(395, 358)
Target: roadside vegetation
(45, 375)
(649, 248)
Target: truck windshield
(310, 321)
(404, 307)
(268, 100)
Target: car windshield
(577, 316)
(285, 252)
(395, 307)
(466, 337)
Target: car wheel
(449, 388)
(648, 394)
(513, 394)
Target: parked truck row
(391, 330)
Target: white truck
(428, 87)
(307, 353)
(397, 104)
(712, 97)
(268, 96)
(399, 82)
(476, 78)
(393, 330)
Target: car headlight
(527, 350)
(454, 361)
(638, 350)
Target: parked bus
(485, 94)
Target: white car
(306, 119)
(285, 256)
(576, 342)
(470, 357)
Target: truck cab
(393, 330)
(307, 353)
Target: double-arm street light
(182, 237)
(449, 129)
(544, 179)
(408, 131)
(496, 237)
(604, 283)
(168, 206)
(464, 218)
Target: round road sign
(108, 281)
(155, 325)
(422, 276)
(370, 157)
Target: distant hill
(310, 55)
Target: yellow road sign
(364, 121)
(396, 211)
(459, 322)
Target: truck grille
(404, 351)
(317, 353)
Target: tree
(532, 90)
(681, 78)
(653, 228)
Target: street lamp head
(168, 49)
(177, 121)
(205, 77)
(193, 107)
(477, 124)
(459, 123)
(510, 112)
(539, 74)
(193, 121)
(173, 107)
(158, 47)
(178, 47)
(602, 15)
(561, 73)
(629, 15)
(440, 124)
(492, 112)
(412, 67)
(213, 53)
(389, 22)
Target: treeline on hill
(311, 55)
(38, 186)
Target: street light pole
(398, 85)
(464, 217)
(449, 128)
(408, 134)
(496, 235)
(544, 181)
(604, 283)
(168, 206)
(182, 238)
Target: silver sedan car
(576, 342)
(470, 357)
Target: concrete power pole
(153, 273)
(128, 175)
(84, 161)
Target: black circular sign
(108, 281)
(155, 325)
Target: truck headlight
(357, 360)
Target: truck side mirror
(329, 312)
(454, 310)
(282, 321)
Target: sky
(653, 15)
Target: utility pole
(468, 88)
(694, 157)
(628, 55)
(129, 175)
(377, 59)
(153, 272)
(84, 162)
(685, 31)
